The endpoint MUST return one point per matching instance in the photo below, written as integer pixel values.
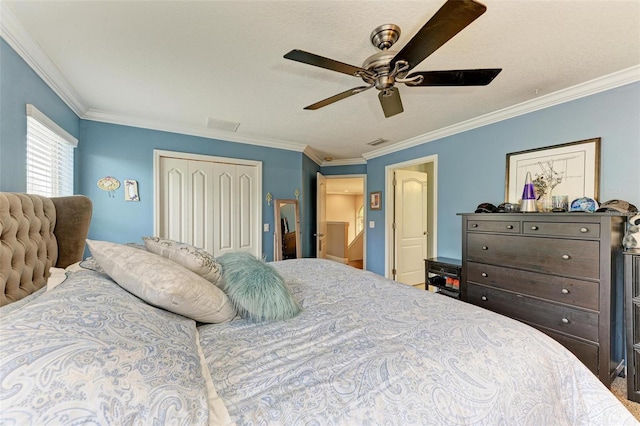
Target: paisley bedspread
(89, 352)
(364, 351)
(369, 351)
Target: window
(360, 220)
(49, 156)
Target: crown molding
(313, 155)
(607, 82)
(106, 117)
(344, 162)
(16, 35)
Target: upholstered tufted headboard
(37, 233)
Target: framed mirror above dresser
(286, 229)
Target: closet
(209, 202)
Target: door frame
(432, 209)
(364, 202)
(158, 153)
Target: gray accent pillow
(193, 258)
(162, 282)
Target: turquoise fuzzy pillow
(255, 288)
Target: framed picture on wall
(375, 200)
(571, 169)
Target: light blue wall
(471, 165)
(310, 171)
(20, 85)
(353, 169)
(127, 153)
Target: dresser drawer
(572, 321)
(587, 353)
(562, 229)
(575, 258)
(510, 226)
(569, 291)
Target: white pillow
(56, 277)
(162, 282)
(192, 258)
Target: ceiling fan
(386, 68)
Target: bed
(82, 347)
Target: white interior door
(321, 217)
(209, 204)
(411, 226)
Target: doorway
(405, 258)
(341, 218)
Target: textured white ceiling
(174, 64)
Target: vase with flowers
(544, 183)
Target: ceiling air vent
(227, 126)
(378, 141)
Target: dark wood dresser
(558, 272)
(632, 316)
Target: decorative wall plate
(109, 184)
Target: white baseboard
(338, 259)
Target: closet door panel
(246, 211)
(224, 209)
(202, 195)
(174, 222)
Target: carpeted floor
(619, 389)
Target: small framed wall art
(375, 200)
(131, 190)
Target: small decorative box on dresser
(632, 316)
(554, 271)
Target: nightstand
(444, 274)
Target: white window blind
(49, 156)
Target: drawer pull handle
(484, 274)
(485, 248)
(566, 257)
(484, 298)
(565, 320)
(565, 291)
(475, 225)
(509, 226)
(534, 228)
(584, 230)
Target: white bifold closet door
(210, 205)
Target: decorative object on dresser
(443, 275)
(632, 317)
(571, 169)
(554, 271)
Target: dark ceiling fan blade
(338, 97)
(452, 18)
(322, 62)
(480, 77)
(390, 101)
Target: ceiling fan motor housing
(385, 36)
(378, 64)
